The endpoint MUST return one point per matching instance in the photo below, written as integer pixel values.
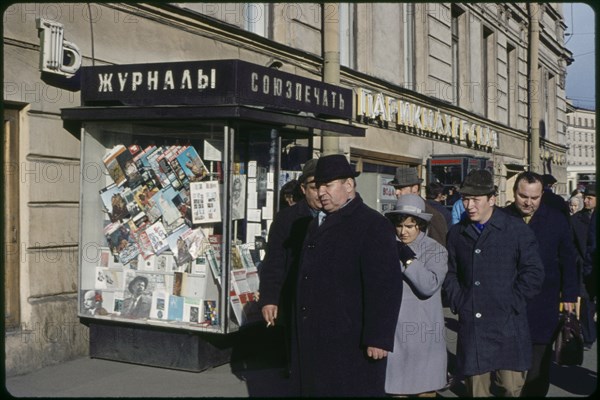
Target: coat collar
(337, 217)
(497, 221)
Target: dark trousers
(537, 381)
(588, 326)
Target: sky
(580, 40)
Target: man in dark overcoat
(494, 268)
(557, 250)
(348, 294)
(580, 222)
(279, 269)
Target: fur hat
(332, 167)
(479, 182)
(410, 204)
(406, 176)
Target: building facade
(428, 79)
(581, 156)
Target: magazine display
(163, 243)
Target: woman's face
(407, 230)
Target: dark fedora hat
(406, 176)
(590, 190)
(478, 182)
(548, 180)
(332, 167)
(136, 279)
(308, 170)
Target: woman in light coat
(417, 366)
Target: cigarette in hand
(269, 324)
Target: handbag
(568, 346)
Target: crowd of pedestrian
(360, 295)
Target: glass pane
(152, 224)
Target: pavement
(257, 372)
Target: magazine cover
(114, 203)
(127, 164)
(178, 245)
(192, 165)
(158, 237)
(114, 169)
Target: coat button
(478, 315)
(303, 308)
(305, 277)
(477, 283)
(311, 246)
(477, 251)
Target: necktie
(322, 217)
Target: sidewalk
(257, 374)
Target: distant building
(581, 139)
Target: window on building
(11, 255)
(488, 63)
(512, 84)
(568, 119)
(458, 28)
(256, 18)
(347, 35)
(408, 33)
(585, 122)
(579, 120)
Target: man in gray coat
(494, 268)
(348, 292)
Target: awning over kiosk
(73, 117)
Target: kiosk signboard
(217, 82)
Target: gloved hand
(405, 253)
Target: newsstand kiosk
(181, 166)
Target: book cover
(238, 197)
(211, 315)
(160, 305)
(192, 310)
(175, 308)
